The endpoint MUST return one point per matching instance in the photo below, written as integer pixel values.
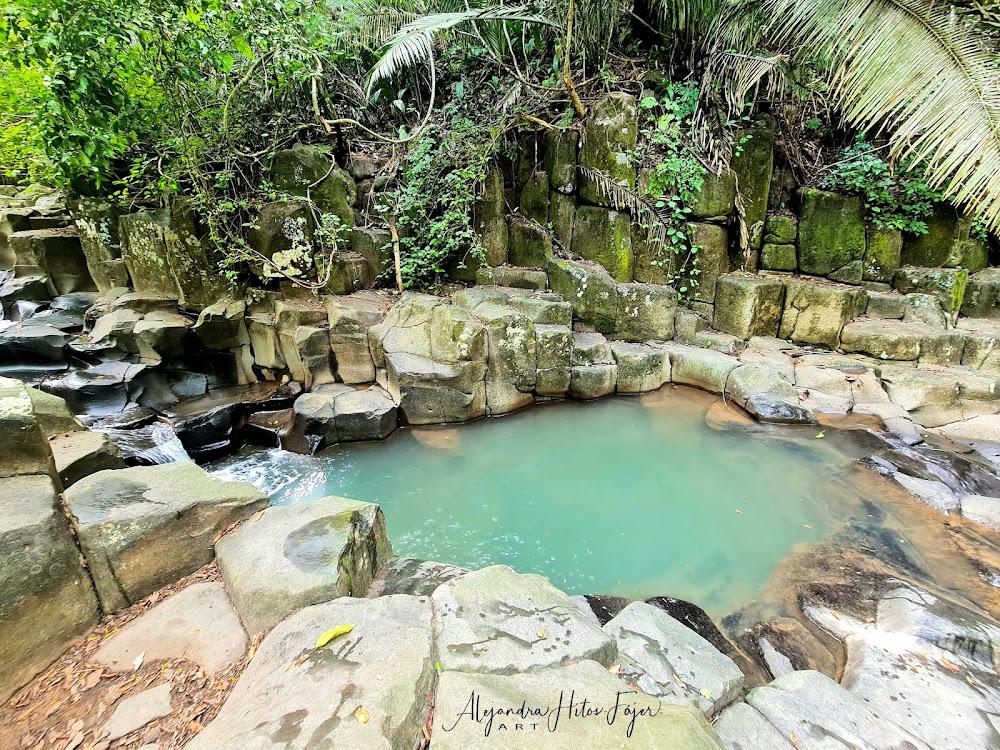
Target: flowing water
(635, 497)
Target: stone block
(609, 136)
(832, 235)
(815, 312)
(645, 312)
(604, 236)
(747, 306)
(530, 244)
(590, 289)
(882, 254)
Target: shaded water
(636, 497)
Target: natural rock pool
(636, 497)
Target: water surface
(628, 496)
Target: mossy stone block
(560, 159)
(747, 306)
(308, 171)
(562, 215)
(534, 202)
(608, 138)
(717, 197)
(946, 284)
(490, 217)
(780, 229)
(982, 295)
(712, 260)
(972, 254)
(945, 228)
(754, 165)
(590, 289)
(882, 254)
(775, 257)
(530, 244)
(604, 236)
(831, 231)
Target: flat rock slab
(293, 696)
(297, 555)
(533, 711)
(741, 727)
(82, 453)
(822, 715)
(676, 664)
(148, 526)
(138, 711)
(495, 620)
(197, 624)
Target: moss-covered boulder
(775, 257)
(645, 312)
(982, 295)
(490, 217)
(716, 200)
(946, 284)
(972, 254)
(222, 325)
(530, 244)
(604, 236)
(513, 276)
(747, 306)
(562, 215)
(945, 228)
(283, 233)
(145, 252)
(711, 261)
(348, 272)
(609, 136)
(753, 164)
(534, 203)
(560, 159)
(781, 229)
(308, 171)
(375, 244)
(97, 221)
(831, 234)
(882, 254)
(590, 289)
(815, 312)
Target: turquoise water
(634, 497)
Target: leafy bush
(893, 199)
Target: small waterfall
(155, 443)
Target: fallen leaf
(614, 668)
(334, 632)
(138, 661)
(74, 741)
(254, 646)
(93, 678)
(820, 435)
(362, 715)
(807, 526)
(739, 511)
(793, 739)
(949, 666)
(541, 632)
(706, 694)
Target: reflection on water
(636, 497)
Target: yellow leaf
(821, 435)
(334, 632)
(739, 511)
(362, 715)
(541, 632)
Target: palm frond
(623, 198)
(380, 20)
(910, 69)
(412, 44)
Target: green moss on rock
(831, 231)
(882, 255)
(590, 289)
(775, 257)
(609, 136)
(604, 236)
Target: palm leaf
(910, 69)
(412, 44)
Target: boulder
(831, 233)
(52, 413)
(609, 136)
(283, 234)
(562, 212)
(604, 236)
(748, 306)
(26, 450)
(902, 341)
(346, 273)
(711, 261)
(781, 229)
(500, 622)
(293, 556)
(593, 381)
(590, 289)
(32, 344)
(160, 336)
(546, 309)
(521, 278)
(767, 393)
(490, 219)
(945, 229)
(46, 599)
(641, 368)
(429, 392)
(138, 710)
(815, 312)
(364, 415)
(673, 662)
(12, 220)
(605, 713)
(81, 453)
(308, 171)
(24, 290)
(741, 727)
(375, 246)
(145, 527)
(645, 312)
(512, 358)
(366, 689)
(947, 284)
(530, 244)
(306, 350)
(703, 368)
(314, 422)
